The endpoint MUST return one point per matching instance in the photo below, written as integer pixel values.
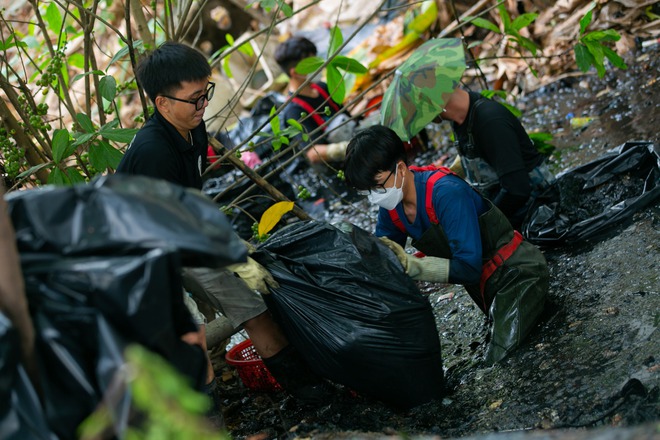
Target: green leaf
(596, 50)
(122, 135)
(81, 138)
(61, 144)
(295, 124)
(614, 58)
(513, 109)
(57, 177)
(336, 40)
(335, 84)
(85, 122)
(286, 9)
(348, 64)
(54, 18)
(275, 121)
(523, 20)
(82, 75)
(34, 169)
(483, 23)
(226, 67)
(103, 156)
(264, 134)
(527, 44)
(108, 87)
(74, 175)
(583, 57)
(506, 18)
(309, 65)
(76, 60)
(284, 140)
(475, 44)
(138, 46)
(585, 21)
(599, 36)
(246, 48)
(230, 39)
(276, 144)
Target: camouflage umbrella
(422, 85)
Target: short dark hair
(289, 53)
(371, 151)
(164, 69)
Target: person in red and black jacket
(313, 100)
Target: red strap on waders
(310, 110)
(502, 254)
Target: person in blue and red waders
(465, 238)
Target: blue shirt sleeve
(457, 207)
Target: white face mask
(391, 197)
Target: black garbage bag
(590, 202)
(346, 304)
(87, 310)
(120, 214)
(21, 417)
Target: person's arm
(499, 144)
(13, 301)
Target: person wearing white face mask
(466, 239)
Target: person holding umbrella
(495, 153)
(466, 239)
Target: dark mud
(593, 362)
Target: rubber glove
(255, 275)
(457, 167)
(250, 158)
(337, 152)
(432, 269)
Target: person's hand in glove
(255, 275)
(432, 269)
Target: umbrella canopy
(422, 85)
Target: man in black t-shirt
(495, 153)
(172, 146)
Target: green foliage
(511, 29)
(269, 5)
(171, 408)
(592, 49)
(542, 142)
(336, 64)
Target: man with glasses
(466, 239)
(172, 146)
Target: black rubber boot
(294, 375)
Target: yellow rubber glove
(255, 275)
(337, 152)
(457, 167)
(432, 269)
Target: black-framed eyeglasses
(199, 102)
(378, 189)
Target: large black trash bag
(86, 310)
(590, 202)
(119, 214)
(346, 304)
(21, 417)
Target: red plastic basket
(251, 368)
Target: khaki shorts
(224, 291)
